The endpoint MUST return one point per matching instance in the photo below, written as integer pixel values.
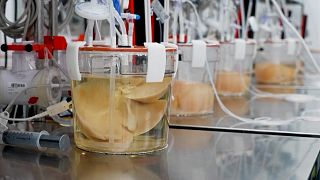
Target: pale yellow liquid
(122, 115)
(232, 83)
(191, 98)
(271, 73)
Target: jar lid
(249, 42)
(190, 44)
(137, 49)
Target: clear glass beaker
(234, 75)
(115, 110)
(311, 74)
(275, 66)
(192, 93)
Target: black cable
(6, 53)
(244, 131)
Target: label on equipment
(16, 87)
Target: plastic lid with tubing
(92, 11)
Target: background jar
(191, 90)
(233, 74)
(278, 63)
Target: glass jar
(192, 93)
(311, 74)
(115, 110)
(234, 75)
(275, 65)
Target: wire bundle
(24, 22)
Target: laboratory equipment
(235, 67)
(120, 106)
(191, 90)
(32, 73)
(41, 140)
(39, 86)
(278, 63)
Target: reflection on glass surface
(18, 163)
(242, 157)
(100, 166)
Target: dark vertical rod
(54, 14)
(40, 7)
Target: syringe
(40, 140)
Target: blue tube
(116, 4)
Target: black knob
(4, 47)
(28, 48)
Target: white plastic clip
(199, 53)
(72, 56)
(253, 24)
(156, 62)
(292, 46)
(58, 108)
(240, 49)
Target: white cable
(41, 115)
(221, 17)
(166, 23)
(118, 33)
(147, 17)
(189, 33)
(130, 33)
(174, 25)
(242, 18)
(124, 36)
(248, 16)
(97, 28)
(181, 27)
(51, 111)
(286, 21)
(259, 120)
(113, 37)
(15, 111)
(197, 17)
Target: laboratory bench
(190, 154)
